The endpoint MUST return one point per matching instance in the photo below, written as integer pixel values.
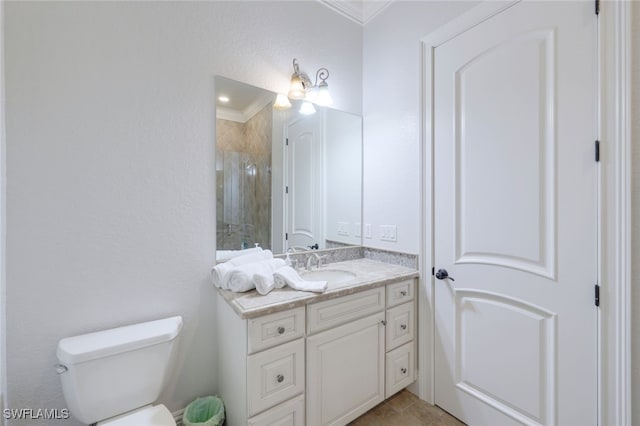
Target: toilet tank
(113, 371)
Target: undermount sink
(331, 276)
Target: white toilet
(112, 377)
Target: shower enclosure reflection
(243, 168)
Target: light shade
(297, 90)
(307, 108)
(282, 102)
(323, 97)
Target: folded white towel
(224, 255)
(289, 276)
(220, 272)
(240, 278)
(264, 283)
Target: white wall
(342, 135)
(391, 109)
(635, 211)
(3, 357)
(110, 164)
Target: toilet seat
(152, 415)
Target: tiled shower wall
(243, 188)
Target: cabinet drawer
(271, 330)
(290, 413)
(400, 325)
(275, 375)
(400, 292)
(331, 313)
(400, 369)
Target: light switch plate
(357, 230)
(367, 230)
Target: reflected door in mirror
(304, 198)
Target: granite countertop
(368, 274)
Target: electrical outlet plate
(389, 233)
(343, 228)
(367, 230)
(357, 230)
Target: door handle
(442, 274)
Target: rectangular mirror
(284, 180)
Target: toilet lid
(156, 415)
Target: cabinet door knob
(403, 370)
(403, 326)
(280, 378)
(280, 330)
(403, 293)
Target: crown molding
(359, 11)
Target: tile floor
(406, 409)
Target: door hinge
(286, 189)
(597, 151)
(286, 141)
(597, 295)
(286, 235)
(597, 7)
(433, 270)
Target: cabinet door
(345, 371)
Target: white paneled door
(305, 206)
(515, 217)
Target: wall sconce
(302, 88)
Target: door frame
(614, 207)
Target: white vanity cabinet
(324, 363)
(261, 367)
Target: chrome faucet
(312, 256)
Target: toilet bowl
(113, 377)
(153, 415)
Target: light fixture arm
(323, 75)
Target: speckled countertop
(368, 274)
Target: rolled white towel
(264, 283)
(224, 255)
(219, 272)
(240, 279)
(289, 276)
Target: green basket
(206, 411)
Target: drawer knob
(280, 378)
(403, 370)
(403, 326)
(280, 330)
(403, 293)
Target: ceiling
(360, 11)
(244, 100)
